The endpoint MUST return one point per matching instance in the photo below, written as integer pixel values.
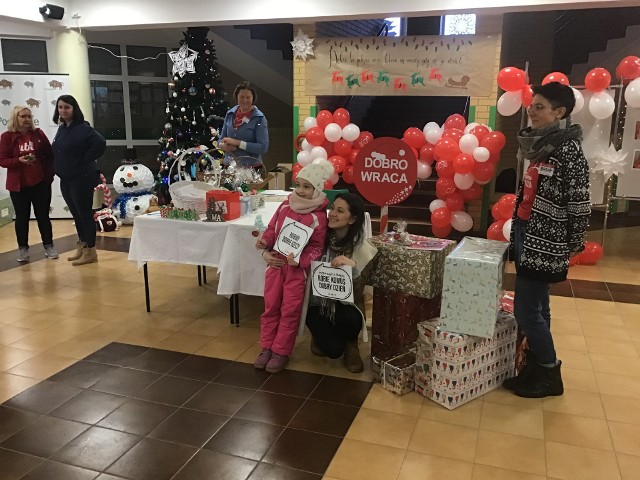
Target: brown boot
(352, 360)
(89, 255)
(78, 254)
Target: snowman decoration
(133, 182)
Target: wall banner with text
(428, 65)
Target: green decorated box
(6, 210)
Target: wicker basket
(190, 195)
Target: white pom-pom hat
(317, 174)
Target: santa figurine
(133, 182)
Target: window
(24, 55)
(146, 68)
(395, 27)
(459, 24)
(108, 109)
(148, 102)
(102, 62)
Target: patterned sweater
(559, 216)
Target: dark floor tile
(623, 288)
(592, 294)
(171, 390)
(189, 427)
(588, 285)
(324, 417)
(152, 460)
(562, 289)
(196, 367)
(12, 420)
(137, 417)
(623, 297)
(265, 471)
(97, 448)
(14, 465)
(83, 374)
(302, 450)
(244, 438)
(221, 399)
(116, 354)
(112, 244)
(125, 381)
(106, 476)
(292, 382)
(269, 407)
(158, 361)
(44, 436)
(43, 397)
(242, 375)
(89, 406)
(59, 471)
(216, 466)
(341, 390)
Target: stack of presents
(437, 325)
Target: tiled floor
(186, 401)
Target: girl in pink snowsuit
(285, 278)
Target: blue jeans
(531, 305)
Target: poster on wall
(426, 65)
(39, 92)
(629, 181)
(596, 137)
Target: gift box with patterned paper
(395, 373)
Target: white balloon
(334, 178)
(481, 154)
(461, 221)
(506, 229)
(306, 146)
(351, 132)
(509, 103)
(430, 126)
(333, 132)
(601, 105)
(470, 126)
(436, 204)
(318, 152)
(632, 93)
(304, 158)
(463, 180)
(433, 134)
(310, 122)
(424, 170)
(579, 100)
(319, 161)
(468, 143)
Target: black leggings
(40, 197)
(78, 194)
(332, 338)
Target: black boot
(514, 382)
(543, 382)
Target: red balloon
(328, 146)
(493, 141)
(295, 169)
(363, 139)
(426, 153)
(455, 201)
(328, 185)
(315, 136)
(628, 68)
(494, 158)
(494, 232)
(441, 232)
(338, 162)
(472, 193)
(591, 254)
(447, 148)
(527, 96)
(441, 217)
(455, 121)
(445, 187)
(414, 137)
(445, 169)
(324, 118)
(347, 175)
(463, 163)
(479, 131)
(508, 199)
(454, 133)
(342, 147)
(483, 171)
(597, 80)
(556, 77)
(496, 214)
(341, 117)
(511, 79)
(352, 155)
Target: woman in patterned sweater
(549, 223)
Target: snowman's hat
(130, 156)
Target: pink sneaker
(277, 363)
(263, 359)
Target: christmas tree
(195, 109)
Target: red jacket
(10, 152)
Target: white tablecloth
(229, 246)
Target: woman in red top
(26, 153)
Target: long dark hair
(357, 211)
(78, 116)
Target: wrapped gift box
(453, 368)
(396, 373)
(6, 210)
(230, 202)
(416, 269)
(472, 286)
(394, 319)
